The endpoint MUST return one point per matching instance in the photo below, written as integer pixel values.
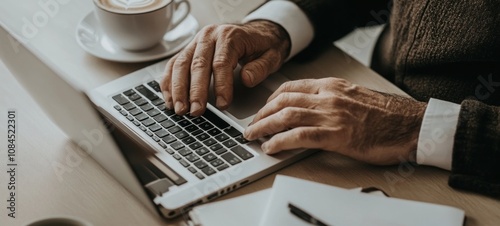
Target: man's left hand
(334, 115)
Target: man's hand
(335, 115)
(261, 47)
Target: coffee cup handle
(186, 13)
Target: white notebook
(332, 205)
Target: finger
(290, 117)
(254, 72)
(284, 100)
(180, 79)
(301, 137)
(201, 70)
(310, 86)
(227, 54)
(166, 83)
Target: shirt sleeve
(291, 18)
(436, 138)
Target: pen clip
(304, 215)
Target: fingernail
(168, 102)
(265, 148)
(195, 107)
(246, 135)
(179, 107)
(221, 102)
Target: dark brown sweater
(448, 50)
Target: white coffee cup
(134, 25)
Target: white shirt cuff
(435, 142)
(291, 18)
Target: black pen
(304, 216)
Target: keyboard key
(241, 140)
(216, 162)
(174, 129)
(141, 117)
(199, 175)
(143, 128)
(117, 107)
(169, 139)
(148, 122)
(124, 113)
(197, 132)
(184, 151)
(242, 152)
(221, 137)
(184, 163)
(216, 120)
(229, 157)
(146, 92)
(215, 147)
(233, 132)
(177, 145)
(210, 142)
(161, 107)
(206, 126)
(221, 151)
(202, 137)
(149, 133)
(135, 111)
(202, 151)
(198, 120)
(160, 118)
(147, 107)
(208, 171)
(163, 145)
(209, 157)
(121, 99)
(158, 102)
(167, 124)
(136, 123)
(155, 127)
(184, 123)
(181, 134)
(154, 85)
(169, 112)
(195, 145)
(130, 118)
(176, 118)
(192, 157)
(176, 156)
(134, 97)
(222, 167)
(129, 106)
(129, 92)
(192, 169)
(191, 128)
(153, 112)
(200, 164)
(156, 139)
(170, 151)
(188, 140)
(214, 132)
(229, 143)
(140, 102)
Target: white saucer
(93, 40)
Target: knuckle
(181, 62)
(287, 114)
(220, 63)
(199, 63)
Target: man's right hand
(260, 47)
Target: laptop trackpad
(248, 101)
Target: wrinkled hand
(261, 47)
(335, 115)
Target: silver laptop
(169, 162)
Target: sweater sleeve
(332, 19)
(476, 150)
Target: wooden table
(88, 192)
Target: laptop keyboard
(204, 145)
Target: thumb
(254, 72)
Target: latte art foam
(131, 6)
